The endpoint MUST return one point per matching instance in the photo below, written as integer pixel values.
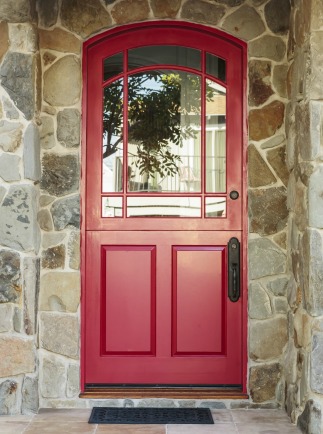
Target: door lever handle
(234, 269)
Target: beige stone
(4, 39)
(264, 122)
(165, 8)
(259, 302)
(45, 220)
(47, 138)
(202, 12)
(60, 291)
(281, 240)
(259, 82)
(245, 23)
(6, 317)
(277, 159)
(302, 23)
(302, 328)
(62, 82)
(59, 333)
(59, 40)
(23, 37)
(130, 10)
(74, 250)
(53, 377)
(17, 356)
(258, 171)
(267, 338)
(270, 47)
(84, 17)
(316, 15)
(50, 240)
(17, 11)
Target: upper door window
(164, 133)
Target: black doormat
(113, 415)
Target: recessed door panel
(198, 300)
(128, 294)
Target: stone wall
(304, 356)
(49, 131)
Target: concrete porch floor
(75, 421)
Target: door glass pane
(164, 55)
(215, 207)
(112, 206)
(112, 66)
(215, 137)
(164, 124)
(215, 66)
(163, 206)
(112, 137)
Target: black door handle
(234, 269)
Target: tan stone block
(258, 171)
(17, 356)
(245, 23)
(23, 37)
(62, 82)
(264, 122)
(267, 338)
(202, 12)
(316, 15)
(59, 40)
(74, 250)
(84, 17)
(302, 22)
(269, 47)
(4, 39)
(303, 328)
(60, 291)
(130, 10)
(165, 8)
(59, 333)
(277, 159)
(263, 380)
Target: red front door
(163, 198)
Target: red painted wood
(198, 300)
(128, 315)
(227, 365)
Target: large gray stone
(160, 403)
(19, 356)
(30, 396)
(66, 213)
(9, 397)
(10, 135)
(47, 12)
(73, 380)
(245, 23)
(59, 333)
(267, 338)
(202, 12)
(270, 47)
(60, 174)
(9, 167)
(17, 11)
(17, 74)
(23, 37)
(265, 259)
(62, 82)
(278, 286)
(312, 271)
(263, 381)
(308, 119)
(68, 127)
(31, 272)
(6, 317)
(277, 14)
(315, 198)
(259, 302)
(32, 153)
(60, 291)
(10, 276)
(47, 139)
(10, 110)
(18, 224)
(316, 363)
(52, 377)
(310, 421)
(268, 210)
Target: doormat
(113, 415)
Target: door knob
(234, 195)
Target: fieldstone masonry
(40, 112)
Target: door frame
(168, 392)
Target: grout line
(29, 423)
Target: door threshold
(176, 392)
